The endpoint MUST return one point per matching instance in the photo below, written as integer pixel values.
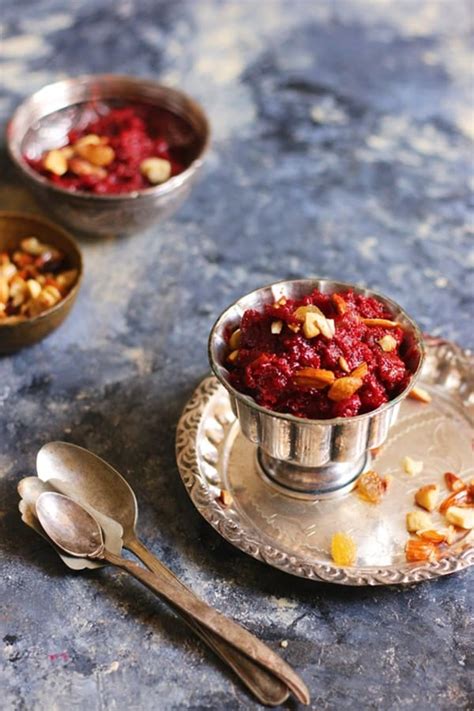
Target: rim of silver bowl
(68, 92)
(277, 290)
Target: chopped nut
(314, 378)
(411, 466)
(98, 155)
(310, 328)
(226, 498)
(417, 520)
(453, 482)
(443, 535)
(464, 497)
(343, 549)
(281, 301)
(295, 327)
(383, 322)
(79, 166)
(371, 486)
(276, 327)
(343, 364)
(427, 496)
(344, 387)
(18, 291)
(284, 643)
(34, 288)
(340, 303)
(462, 517)
(32, 245)
(234, 340)
(4, 292)
(67, 278)
(361, 371)
(67, 151)
(419, 394)
(327, 326)
(91, 139)
(302, 311)
(7, 271)
(316, 320)
(418, 550)
(387, 343)
(156, 170)
(232, 357)
(56, 162)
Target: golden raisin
(343, 549)
(371, 487)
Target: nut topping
(387, 343)
(56, 162)
(234, 340)
(276, 327)
(340, 303)
(361, 371)
(383, 322)
(343, 364)
(79, 166)
(310, 326)
(98, 155)
(314, 378)
(344, 387)
(156, 170)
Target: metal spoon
(77, 532)
(86, 477)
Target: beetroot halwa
(322, 356)
(121, 149)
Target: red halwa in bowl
(100, 130)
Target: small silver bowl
(43, 121)
(301, 457)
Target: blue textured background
(342, 147)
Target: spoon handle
(268, 689)
(220, 625)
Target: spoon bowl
(69, 525)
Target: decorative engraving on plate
(294, 535)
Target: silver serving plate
(310, 458)
(294, 534)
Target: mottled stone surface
(342, 147)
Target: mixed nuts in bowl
(316, 371)
(40, 273)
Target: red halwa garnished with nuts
(322, 356)
(33, 278)
(126, 148)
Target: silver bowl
(302, 457)
(43, 121)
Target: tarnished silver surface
(43, 121)
(310, 458)
(294, 535)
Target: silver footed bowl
(43, 121)
(301, 457)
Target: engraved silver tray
(294, 534)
